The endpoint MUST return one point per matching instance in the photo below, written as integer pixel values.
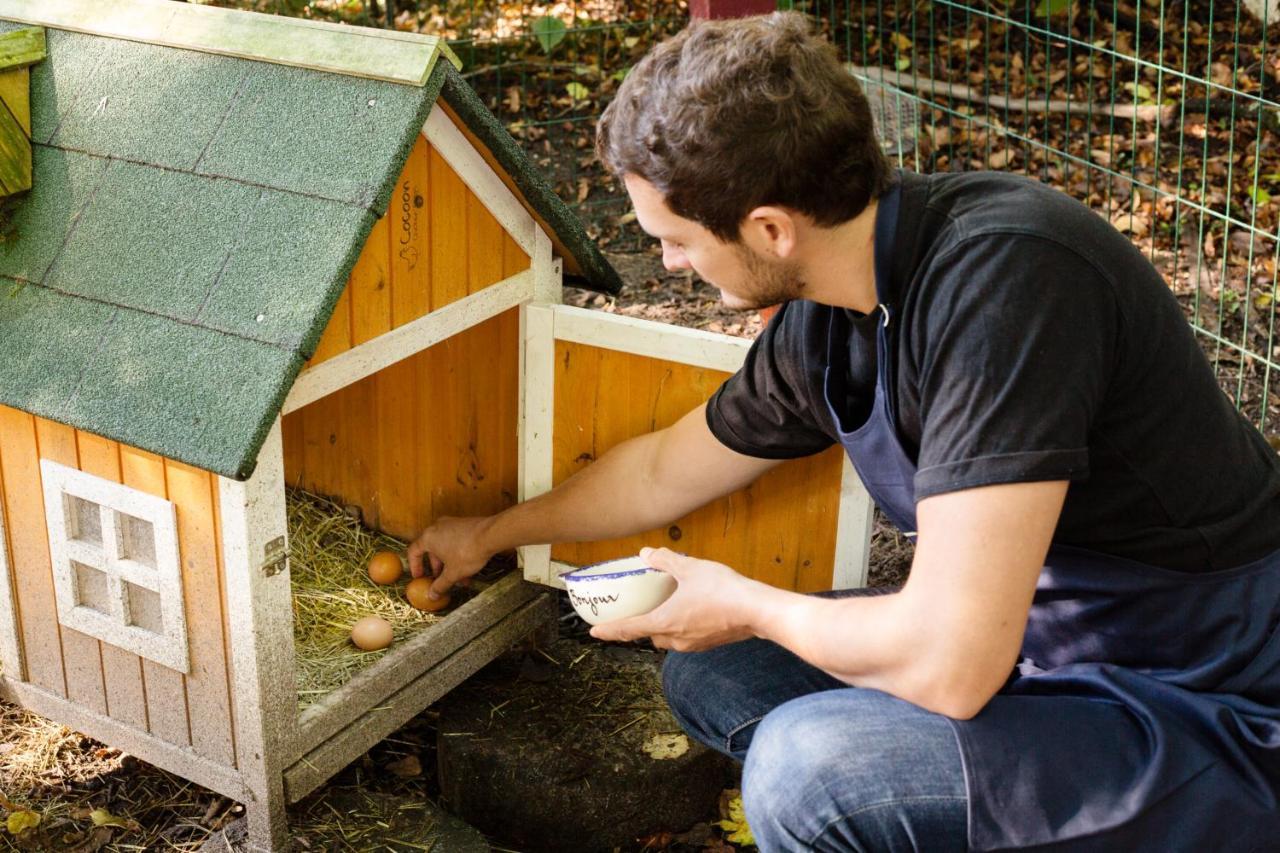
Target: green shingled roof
(193, 220)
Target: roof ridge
(400, 57)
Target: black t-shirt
(1033, 343)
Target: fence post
(730, 8)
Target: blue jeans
(827, 766)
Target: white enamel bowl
(617, 589)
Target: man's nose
(673, 259)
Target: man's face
(746, 279)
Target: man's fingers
(664, 559)
(623, 630)
(442, 584)
(437, 565)
(415, 560)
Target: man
(1086, 654)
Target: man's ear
(771, 231)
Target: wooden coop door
(803, 526)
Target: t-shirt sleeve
(1014, 353)
(767, 409)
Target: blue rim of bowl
(569, 575)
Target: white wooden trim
(557, 568)
(481, 179)
(548, 271)
(649, 338)
(316, 767)
(260, 630)
(11, 660)
(181, 760)
(406, 661)
(400, 343)
(168, 646)
(359, 51)
(537, 417)
(853, 531)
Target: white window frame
(167, 647)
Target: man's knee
(815, 779)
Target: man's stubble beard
(771, 282)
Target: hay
(328, 552)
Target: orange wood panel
(514, 259)
(570, 265)
(484, 239)
(456, 453)
(410, 224)
(436, 243)
(402, 495)
(122, 670)
(469, 380)
(448, 206)
(293, 457)
(6, 559)
(337, 335)
(216, 504)
(439, 369)
(371, 316)
(82, 655)
(29, 551)
(208, 698)
(371, 286)
(166, 692)
(319, 437)
(780, 530)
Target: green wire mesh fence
(1163, 117)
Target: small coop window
(116, 570)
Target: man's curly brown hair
(729, 115)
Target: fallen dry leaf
(406, 768)
(22, 820)
(1000, 159)
(1132, 223)
(102, 817)
(663, 746)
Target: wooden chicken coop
(261, 255)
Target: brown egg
(416, 592)
(385, 567)
(371, 633)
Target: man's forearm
(862, 640)
(883, 642)
(610, 498)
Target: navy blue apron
(1144, 714)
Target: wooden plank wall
(780, 530)
(436, 244)
(434, 434)
(98, 675)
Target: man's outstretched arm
(946, 642)
(640, 484)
